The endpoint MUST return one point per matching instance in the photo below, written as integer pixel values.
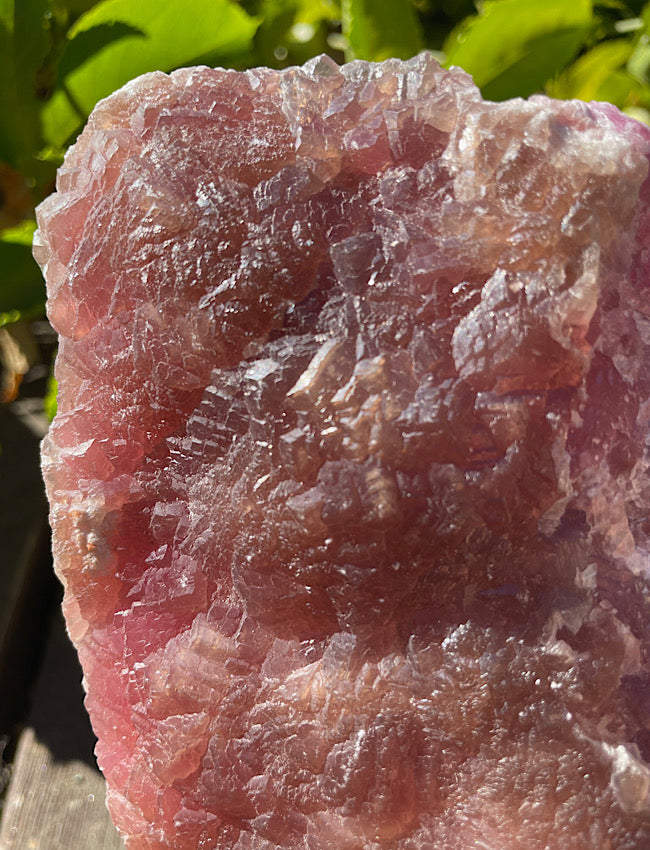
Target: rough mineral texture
(349, 479)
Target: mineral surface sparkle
(349, 479)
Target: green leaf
(378, 29)
(24, 44)
(312, 11)
(585, 78)
(74, 6)
(21, 234)
(639, 113)
(639, 63)
(621, 89)
(512, 47)
(22, 291)
(50, 400)
(131, 37)
(88, 42)
(292, 31)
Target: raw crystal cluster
(350, 476)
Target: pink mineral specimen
(350, 476)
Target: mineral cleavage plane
(349, 479)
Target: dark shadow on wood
(58, 716)
(28, 588)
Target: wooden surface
(27, 586)
(56, 796)
(53, 805)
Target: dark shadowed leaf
(22, 290)
(378, 29)
(89, 42)
(75, 6)
(24, 43)
(292, 31)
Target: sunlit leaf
(89, 42)
(50, 400)
(24, 43)
(21, 234)
(639, 62)
(153, 35)
(312, 11)
(512, 47)
(584, 79)
(621, 89)
(378, 29)
(639, 113)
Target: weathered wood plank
(26, 584)
(56, 796)
(54, 806)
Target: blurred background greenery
(59, 57)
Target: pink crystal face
(349, 479)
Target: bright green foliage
(118, 40)
(616, 69)
(58, 57)
(378, 29)
(49, 402)
(593, 71)
(512, 47)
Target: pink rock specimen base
(349, 479)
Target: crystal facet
(349, 479)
